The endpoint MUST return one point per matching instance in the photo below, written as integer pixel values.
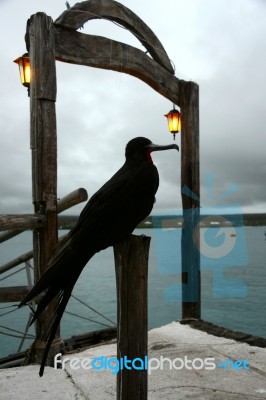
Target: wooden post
(190, 184)
(131, 264)
(40, 42)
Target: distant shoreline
(170, 221)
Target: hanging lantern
(24, 69)
(174, 121)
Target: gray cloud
(220, 45)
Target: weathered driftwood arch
(155, 70)
(100, 52)
(48, 41)
(81, 13)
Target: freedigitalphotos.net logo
(222, 243)
(114, 365)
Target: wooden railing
(18, 224)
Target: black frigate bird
(109, 217)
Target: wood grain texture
(131, 264)
(80, 13)
(22, 221)
(100, 52)
(190, 190)
(40, 40)
(18, 223)
(13, 294)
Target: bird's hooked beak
(157, 147)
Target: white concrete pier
(185, 364)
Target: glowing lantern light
(174, 121)
(24, 69)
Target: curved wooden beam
(100, 52)
(111, 10)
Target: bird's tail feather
(47, 281)
(48, 297)
(58, 280)
(63, 298)
(59, 269)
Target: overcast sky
(220, 44)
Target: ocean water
(233, 280)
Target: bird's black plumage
(109, 217)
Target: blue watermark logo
(115, 365)
(222, 243)
(238, 365)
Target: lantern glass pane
(24, 69)
(26, 72)
(175, 123)
(21, 71)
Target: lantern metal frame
(174, 121)
(24, 69)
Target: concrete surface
(179, 345)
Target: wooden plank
(13, 294)
(9, 234)
(16, 261)
(80, 13)
(22, 221)
(190, 184)
(40, 39)
(68, 201)
(72, 199)
(89, 339)
(131, 264)
(21, 259)
(100, 52)
(40, 28)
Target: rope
(3, 308)
(93, 309)
(88, 319)
(13, 273)
(17, 336)
(27, 336)
(8, 312)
